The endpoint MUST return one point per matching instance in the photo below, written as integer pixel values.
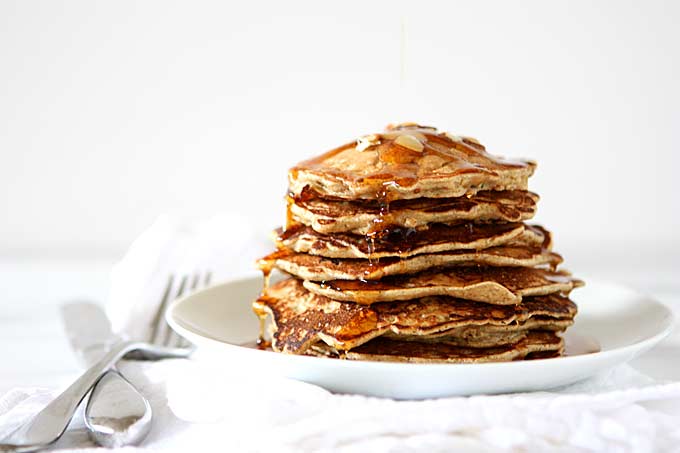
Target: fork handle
(50, 423)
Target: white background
(112, 113)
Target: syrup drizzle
(261, 313)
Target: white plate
(614, 321)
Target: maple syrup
(259, 309)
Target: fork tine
(194, 283)
(174, 339)
(182, 342)
(182, 287)
(161, 333)
(168, 332)
(159, 319)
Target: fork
(161, 333)
(117, 414)
(49, 424)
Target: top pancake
(409, 161)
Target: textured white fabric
(204, 406)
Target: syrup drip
(266, 267)
(261, 313)
(290, 221)
(263, 344)
(370, 240)
(267, 264)
(266, 272)
(381, 223)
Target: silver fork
(48, 425)
(117, 414)
(161, 333)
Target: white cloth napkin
(209, 406)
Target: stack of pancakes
(411, 245)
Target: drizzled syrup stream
(266, 267)
(262, 343)
(381, 223)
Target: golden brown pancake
(301, 318)
(485, 336)
(493, 285)
(411, 245)
(409, 161)
(319, 268)
(402, 243)
(387, 350)
(366, 216)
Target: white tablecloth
(629, 409)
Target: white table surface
(36, 352)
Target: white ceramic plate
(614, 321)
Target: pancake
(409, 161)
(482, 339)
(412, 245)
(363, 217)
(319, 268)
(488, 335)
(301, 318)
(387, 350)
(402, 243)
(493, 285)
